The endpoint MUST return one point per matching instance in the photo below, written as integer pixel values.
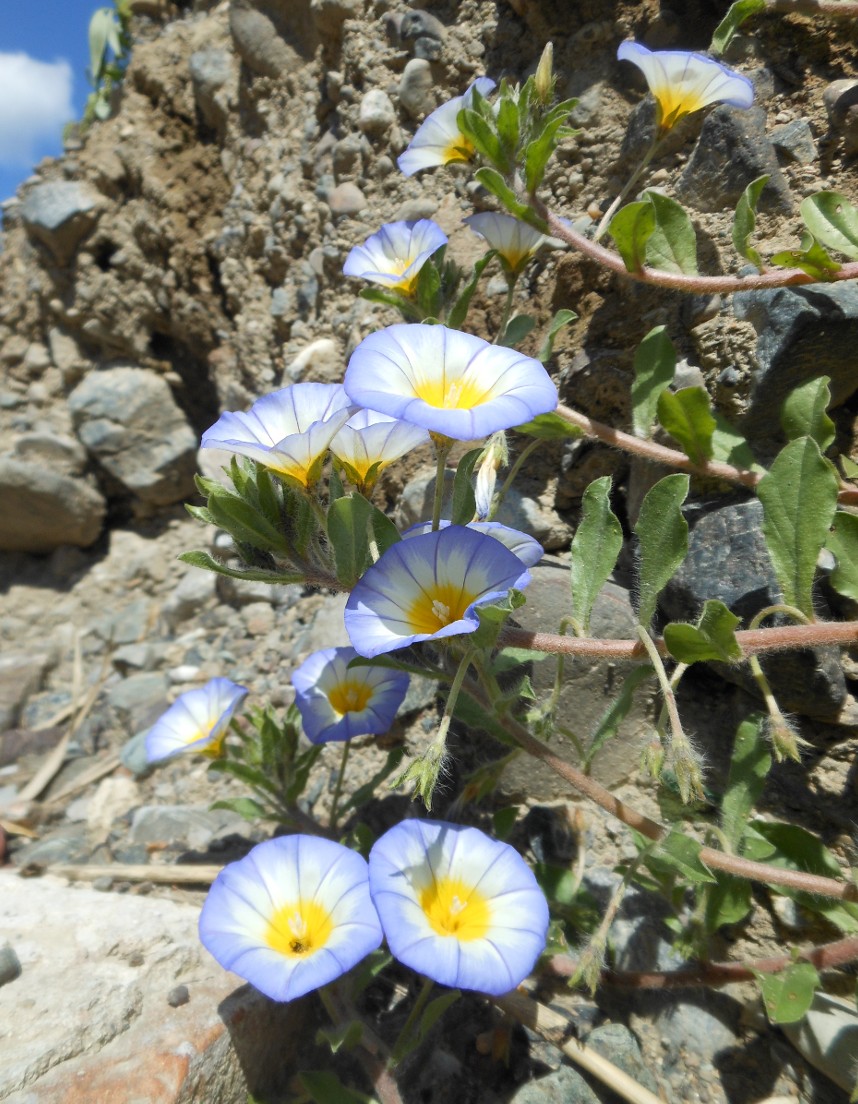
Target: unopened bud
(785, 740)
(495, 455)
(544, 79)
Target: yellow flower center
(350, 696)
(452, 394)
(674, 103)
(299, 929)
(454, 908)
(435, 608)
(459, 148)
(295, 471)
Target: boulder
(41, 508)
(129, 422)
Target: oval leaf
(833, 221)
(662, 534)
(595, 547)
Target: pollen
(300, 929)
(455, 908)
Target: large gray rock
(728, 560)
(59, 214)
(802, 333)
(92, 1018)
(589, 686)
(128, 420)
(733, 149)
(42, 509)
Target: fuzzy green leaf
(617, 711)
(662, 534)
(729, 446)
(459, 310)
(799, 497)
(561, 318)
(833, 221)
(483, 137)
(348, 521)
(245, 523)
(686, 416)
(672, 246)
(679, 854)
(101, 24)
(384, 531)
(736, 15)
(749, 767)
(549, 427)
(631, 228)
(712, 638)
(254, 575)
(745, 220)
(464, 504)
(517, 330)
(655, 365)
(597, 542)
(789, 994)
(842, 543)
(804, 412)
(245, 807)
(493, 182)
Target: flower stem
(630, 183)
(507, 309)
(338, 788)
(513, 472)
(442, 451)
(401, 1046)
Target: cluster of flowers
(463, 909)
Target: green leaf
(459, 310)
(729, 446)
(745, 220)
(562, 318)
(100, 25)
(597, 542)
(493, 182)
(549, 427)
(434, 1010)
(503, 821)
(406, 307)
(348, 521)
(712, 638)
(250, 775)
(833, 221)
(799, 497)
(342, 1036)
(735, 17)
(655, 366)
(507, 123)
(559, 884)
(686, 416)
(208, 563)
(789, 994)
(804, 412)
(464, 504)
(728, 901)
(245, 523)
(617, 711)
(672, 246)
(485, 140)
(325, 1087)
(245, 807)
(662, 534)
(428, 290)
(749, 767)
(517, 330)
(200, 513)
(679, 854)
(842, 543)
(631, 228)
(810, 257)
(369, 789)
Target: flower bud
(544, 78)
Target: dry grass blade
(141, 872)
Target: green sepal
(464, 503)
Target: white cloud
(35, 104)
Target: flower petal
(196, 721)
(438, 140)
(395, 254)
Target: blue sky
(44, 54)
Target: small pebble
(178, 996)
(104, 884)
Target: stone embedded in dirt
(795, 139)
(346, 199)
(194, 591)
(841, 103)
(139, 699)
(562, 1086)
(728, 560)
(21, 675)
(415, 88)
(60, 453)
(259, 45)
(10, 966)
(733, 149)
(802, 333)
(130, 423)
(588, 689)
(211, 69)
(191, 825)
(42, 509)
(91, 1017)
(377, 113)
(329, 15)
(59, 214)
